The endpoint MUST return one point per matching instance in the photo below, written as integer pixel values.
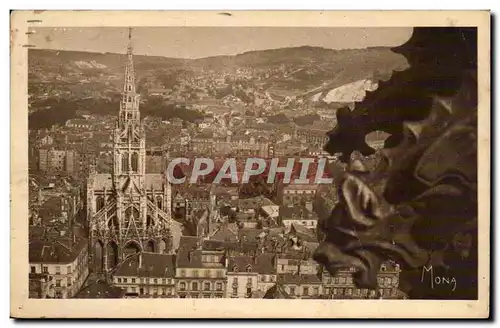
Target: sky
(199, 42)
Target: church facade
(128, 210)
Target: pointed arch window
(150, 222)
(125, 162)
(135, 162)
(159, 202)
(99, 203)
(132, 213)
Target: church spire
(129, 106)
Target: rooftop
(147, 264)
(100, 289)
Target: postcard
(250, 164)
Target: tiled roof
(227, 232)
(62, 250)
(211, 244)
(265, 264)
(251, 234)
(290, 278)
(189, 259)
(147, 265)
(100, 289)
(304, 233)
(241, 262)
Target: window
(342, 280)
(316, 291)
(125, 280)
(394, 280)
(306, 291)
(33, 269)
(195, 273)
(58, 283)
(182, 286)
(383, 267)
(292, 290)
(263, 278)
(69, 269)
(235, 291)
(349, 291)
(125, 162)
(206, 286)
(68, 281)
(183, 273)
(235, 268)
(194, 286)
(271, 278)
(133, 289)
(249, 268)
(58, 270)
(282, 267)
(249, 280)
(235, 280)
(207, 273)
(164, 281)
(99, 203)
(218, 286)
(133, 280)
(119, 280)
(249, 291)
(155, 281)
(387, 281)
(58, 294)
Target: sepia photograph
(254, 160)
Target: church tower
(128, 210)
(129, 137)
(130, 151)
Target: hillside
(301, 69)
(93, 81)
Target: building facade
(200, 274)
(147, 275)
(129, 211)
(63, 262)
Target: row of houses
(215, 269)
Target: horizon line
(208, 57)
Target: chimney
(140, 260)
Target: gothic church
(129, 211)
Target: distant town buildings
(105, 222)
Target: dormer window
(383, 267)
(236, 269)
(249, 268)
